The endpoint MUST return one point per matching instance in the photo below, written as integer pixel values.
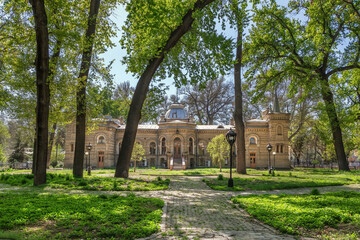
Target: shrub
(315, 191)
(159, 178)
(220, 177)
(83, 183)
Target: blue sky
(119, 69)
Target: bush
(315, 191)
(220, 177)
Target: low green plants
(64, 216)
(315, 191)
(220, 177)
(102, 183)
(295, 214)
(297, 179)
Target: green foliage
(298, 179)
(220, 177)
(294, 214)
(315, 191)
(60, 216)
(66, 181)
(218, 148)
(19, 155)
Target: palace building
(177, 142)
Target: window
(152, 148)
(279, 148)
(163, 146)
(72, 147)
(279, 130)
(120, 146)
(101, 139)
(252, 140)
(191, 146)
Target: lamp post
(269, 148)
(231, 138)
(274, 153)
(89, 147)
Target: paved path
(194, 211)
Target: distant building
(178, 140)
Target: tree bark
(142, 87)
(43, 91)
(334, 122)
(81, 90)
(51, 143)
(238, 113)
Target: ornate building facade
(178, 142)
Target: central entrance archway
(177, 148)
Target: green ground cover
(102, 183)
(285, 180)
(330, 215)
(60, 216)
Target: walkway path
(194, 211)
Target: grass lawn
(330, 215)
(94, 182)
(59, 216)
(261, 180)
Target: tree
(18, 155)
(219, 149)
(152, 58)
(283, 47)
(81, 89)
(212, 104)
(137, 154)
(4, 137)
(43, 91)
(241, 20)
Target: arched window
(163, 146)
(191, 146)
(279, 130)
(152, 148)
(101, 139)
(252, 140)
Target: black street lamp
(231, 138)
(269, 148)
(89, 147)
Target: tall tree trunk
(123, 163)
(238, 113)
(53, 63)
(334, 122)
(51, 143)
(43, 91)
(81, 90)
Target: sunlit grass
(261, 180)
(298, 214)
(94, 182)
(60, 216)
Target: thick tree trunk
(238, 113)
(81, 90)
(51, 143)
(43, 91)
(123, 163)
(335, 123)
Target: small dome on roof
(176, 111)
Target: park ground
(192, 204)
